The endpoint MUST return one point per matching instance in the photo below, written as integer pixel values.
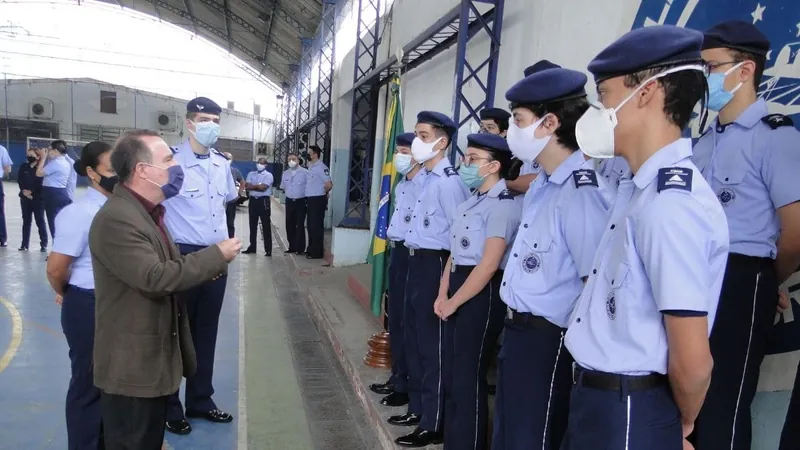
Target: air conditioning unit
(41, 108)
(167, 121)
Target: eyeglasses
(468, 159)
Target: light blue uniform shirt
(529, 168)
(5, 160)
(612, 170)
(196, 216)
(662, 251)
(442, 192)
(494, 214)
(72, 236)
(406, 194)
(318, 175)
(56, 172)
(557, 241)
(753, 170)
(263, 177)
(72, 182)
(293, 182)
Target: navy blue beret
(486, 141)
(404, 140)
(647, 48)
(547, 86)
(203, 105)
(738, 35)
(494, 114)
(539, 66)
(438, 120)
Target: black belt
(466, 270)
(756, 262)
(614, 382)
(529, 320)
(428, 252)
(394, 244)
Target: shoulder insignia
(585, 177)
(327, 171)
(675, 178)
(776, 121)
(174, 150)
(450, 171)
(506, 194)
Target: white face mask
(403, 163)
(595, 129)
(260, 167)
(292, 164)
(523, 141)
(423, 152)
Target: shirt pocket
(536, 255)
(471, 235)
(728, 182)
(617, 274)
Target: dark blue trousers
(33, 209)
(83, 398)
(398, 276)
(534, 379)
(3, 231)
(203, 307)
(424, 339)
(623, 420)
(260, 209)
(55, 199)
(790, 438)
(469, 338)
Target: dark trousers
(230, 215)
(260, 209)
(203, 306)
(424, 339)
(744, 320)
(131, 423)
(398, 277)
(316, 225)
(296, 225)
(469, 338)
(33, 209)
(534, 379)
(83, 399)
(790, 438)
(3, 231)
(55, 199)
(622, 419)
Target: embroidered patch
(327, 171)
(426, 222)
(611, 305)
(464, 243)
(407, 218)
(535, 165)
(726, 196)
(450, 171)
(675, 178)
(506, 195)
(776, 121)
(531, 263)
(174, 150)
(584, 177)
(199, 156)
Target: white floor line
(242, 416)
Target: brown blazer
(142, 346)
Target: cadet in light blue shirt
(5, 169)
(259, 187)
(566, 209)
(639, 332)
(318, 184)
(469, 293)
(612, 170)
(293, 183)
(72, 181)
(428, 241)
(55, 169)
(751, 159)
(69, 271)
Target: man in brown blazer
(142, 342)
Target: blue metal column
(292, 100)
(304, 97)
(325, 65)
(277, 152)
(364, 116)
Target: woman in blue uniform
(55, 168)
(469, 293)
(69, 270)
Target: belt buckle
(391, 244)
(411, 252)
(574, 372)
(510, 313)
(453, 268)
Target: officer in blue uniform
(293, 183)
(259, 187)
(196, 219)
(55, 170)
(406, 194)
(30, 199)
(639, 331)
(69, 271)
(469, 292)
(564, 218)
(5, 169)
(428, 246)
(318, 184)
(494, 121)
(751, 159)
(612, 170)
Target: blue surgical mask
(718, 97)
(207, 133)
(174, 180)
(469, 175)
(403, 163)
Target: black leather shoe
(382, 388)
(3, 244)
(404, 420)
(289, 251)
(43, 249)
(214, 415)
(179, 427)
(492, 389)
(419, 438)
(395, 399)
(23, 249)
(249, 251)
(268, 254)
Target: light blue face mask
(207, 133)
(469, 175)
(718, 97)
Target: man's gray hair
(130, 150)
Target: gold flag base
(379, 354)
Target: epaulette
(585, 177)
(174, 150)
(675, 178)
(450, 171)
(217, 152)
(776, 121)
(506, 194)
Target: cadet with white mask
(259, 188)
(293, 183)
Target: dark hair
(682, 91)
(59, 145)
(502, 124)
(130, 150)
(191, 115)
(90, 156)
(760, 61)
(568, 112)
(316, 150)
(503, 157)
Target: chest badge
(726, 196)
(611, 305)
(531, 263)
(426, 222)
(407, 218)
(464, 243)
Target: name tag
(193, 190)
